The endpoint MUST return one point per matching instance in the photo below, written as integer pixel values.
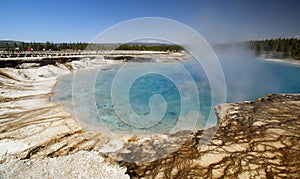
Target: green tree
(7, 47)
(48, 45)
(15, 45)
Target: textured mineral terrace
(39, 139)
(259, 139)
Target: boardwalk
(40, 54)
(8, 59)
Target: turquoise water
(246, 79)
(139, 96)
(140, 93)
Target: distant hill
(9, 42)
(297, 37)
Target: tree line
(36, 46)
(277, 48)
(141, 47)
(23, 46)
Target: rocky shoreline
(254, 139)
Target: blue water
(247, 78)
(140, 93)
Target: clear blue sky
(218, 21)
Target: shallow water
(91, 94)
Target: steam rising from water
(248, 77)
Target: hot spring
(90, 98)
